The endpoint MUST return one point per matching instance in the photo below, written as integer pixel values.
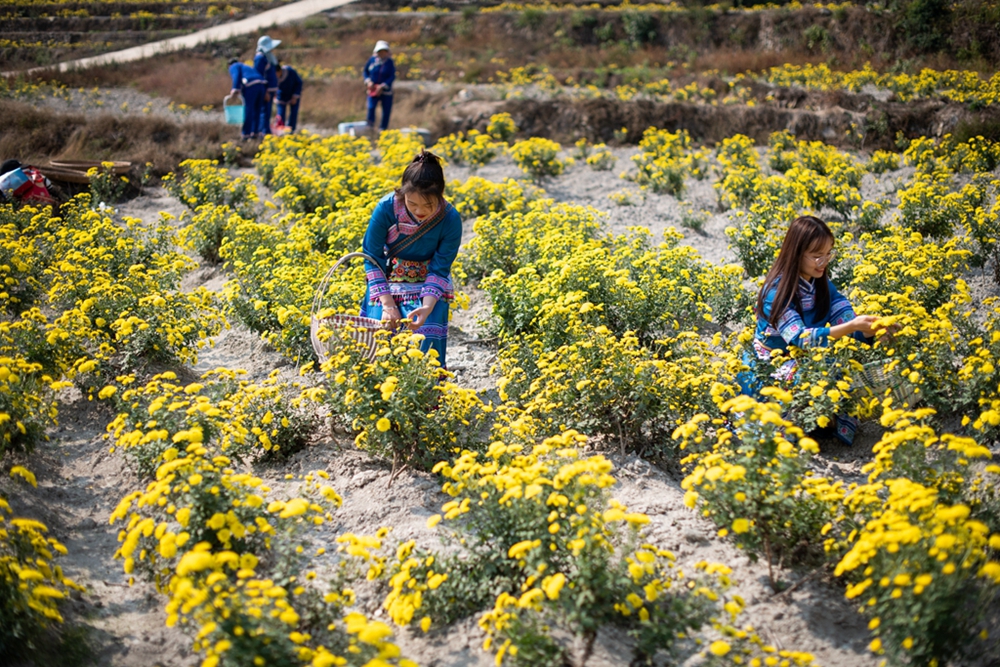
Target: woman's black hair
(804, 234)
(424, 176)
(233, 61)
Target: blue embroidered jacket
(803, 326)
(381, 71)
(390, 224)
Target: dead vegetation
(37, 135)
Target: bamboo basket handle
(317, 304)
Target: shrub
(883, 161)
(244, 421)
(197, 501)
(31, 583)
(501, 127)
(207, 231)
(204, 182)
(543, 548)
(27, 401)
(602, 159)
(665, 161)
(919, 566)
(528, 231)
(401, 406)
(538, 158)
(929, 208)
(753, 481)
(107, 187)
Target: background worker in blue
(265, 61)
(289, 93)
(252, 86)
(380, 72)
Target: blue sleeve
(368, 69)
(439, 268)
(272, 77)
(260, 64)
(841, 311)
(236, 71)
(297, 87)
(374, 245)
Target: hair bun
(426, 156)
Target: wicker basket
(873, 378)
(342, 327)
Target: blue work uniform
(270, 74)
(252, 86)
(380, 71)
(288, 88)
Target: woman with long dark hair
(799, 305)
(414, 235)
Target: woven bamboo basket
(873, 378)
(340, 327)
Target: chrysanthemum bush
(307, 172)
(31, 581)
(228, 551)
(34, 357)
(929, 349)
(666, 161)
(117, 284)
(612, 386)
(602, 159)
(245, 421)
(403, 406)
(225, 552)
(208, 227)
(539, 158)
(983, 226)
(208, 506)
(502, 127)
(916, 542)
(929, 272)
(750, 476)
(474, 149)
(538, 545)
(204, 182)
(527, 231)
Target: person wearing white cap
(266, 63)
(380, 72)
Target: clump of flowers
(540, 527)
(538, 158)
(752, 479)
(31, 583)
(402, 406)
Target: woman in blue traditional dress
(799, 305)
(414, 235)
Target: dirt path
(277, 16)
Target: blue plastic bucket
(13, 181)
(234, 114)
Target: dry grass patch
(37, 135)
